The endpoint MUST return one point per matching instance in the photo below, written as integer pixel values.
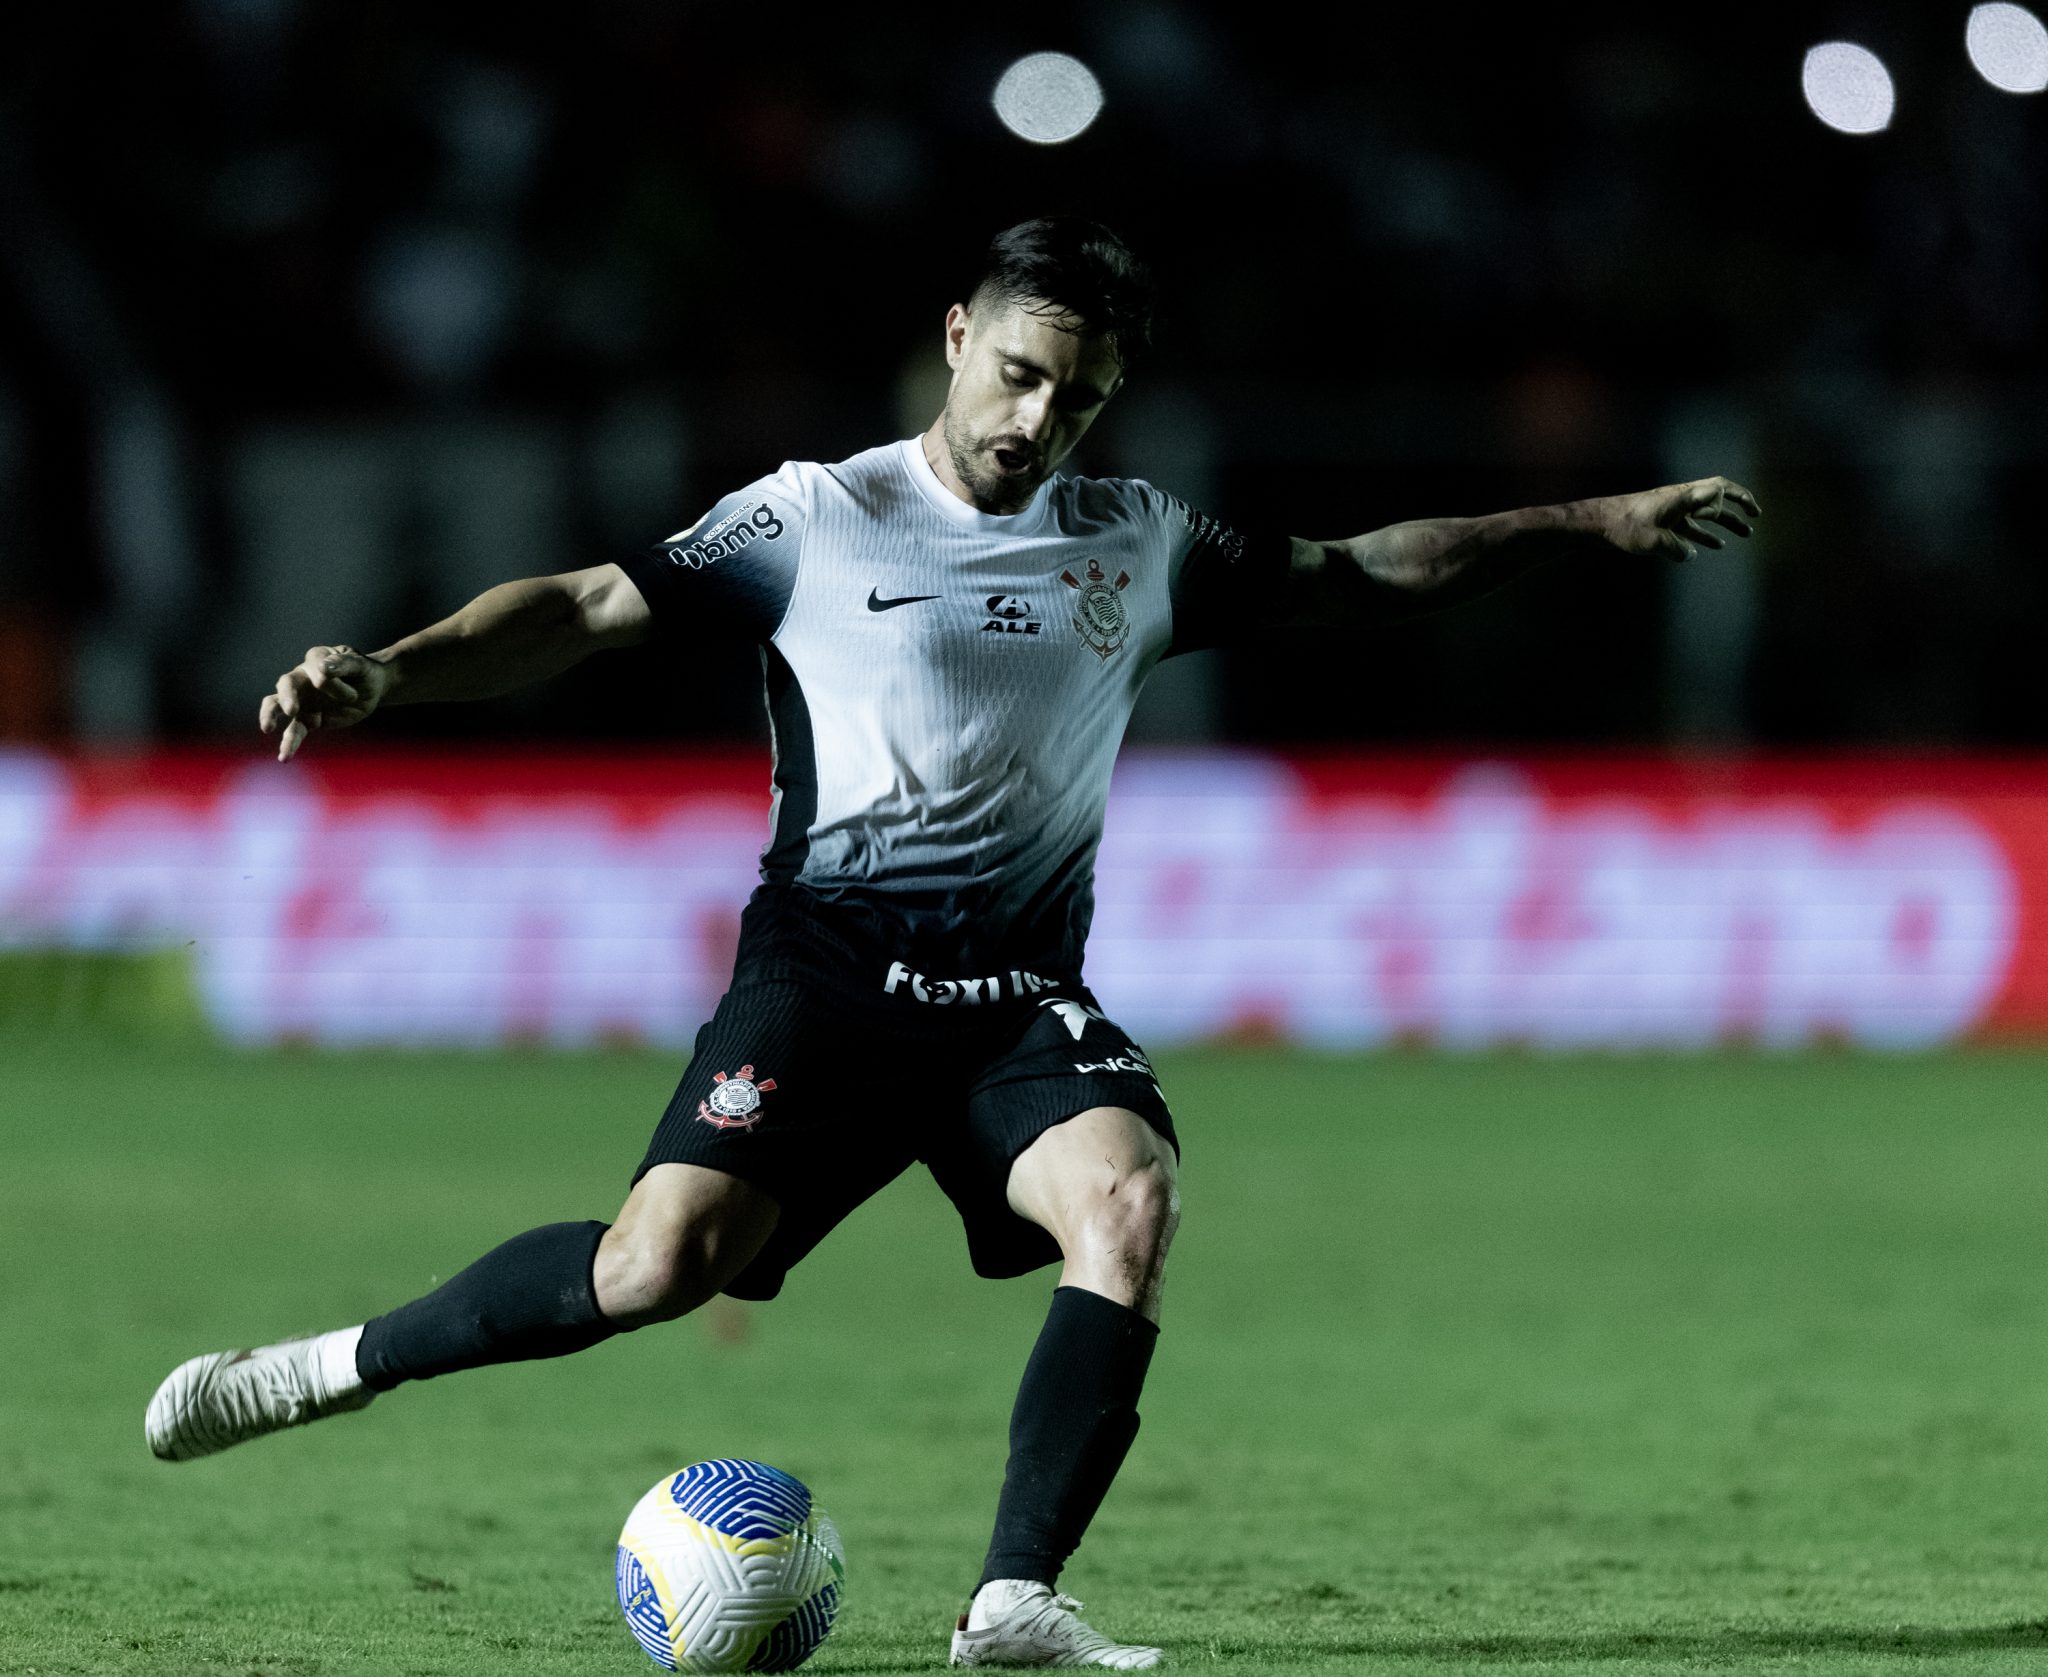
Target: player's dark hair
(1078, 267)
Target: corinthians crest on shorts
(734, 1102)
(1099, 614)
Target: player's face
(1026, 387)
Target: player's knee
(641, 1279)
(682, 1235)
(1132, 1220)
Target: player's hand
(333, 687)
(1671, 519)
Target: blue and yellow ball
(729, 1566)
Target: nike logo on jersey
(877, 603)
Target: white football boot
(229, 1397)
(1016, 1621)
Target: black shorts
(820, 1081)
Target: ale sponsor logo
(1009, 615)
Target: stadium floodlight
(1848, 87)
(1048, 97)
(2009, 47)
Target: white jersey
(947, 688)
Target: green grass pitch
(1511, 1364)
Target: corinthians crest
(1099, 615)
(734, 1102)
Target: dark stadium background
(1561, 1352)
(589, 268)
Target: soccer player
(952, 638)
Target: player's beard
(974, 463)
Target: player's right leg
(685, 1231)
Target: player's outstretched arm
(1430, 563)
(507, 637)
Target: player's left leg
(1102, 1184)
(1105, 1186)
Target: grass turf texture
(1515, 1364)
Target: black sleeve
(734, 569)
(1226, 583)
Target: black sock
(531, 1297)
(1076, 1414)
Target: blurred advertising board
(1340, 901)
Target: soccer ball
(729, 1566)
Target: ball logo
(1099, 615)
(734, 1102)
